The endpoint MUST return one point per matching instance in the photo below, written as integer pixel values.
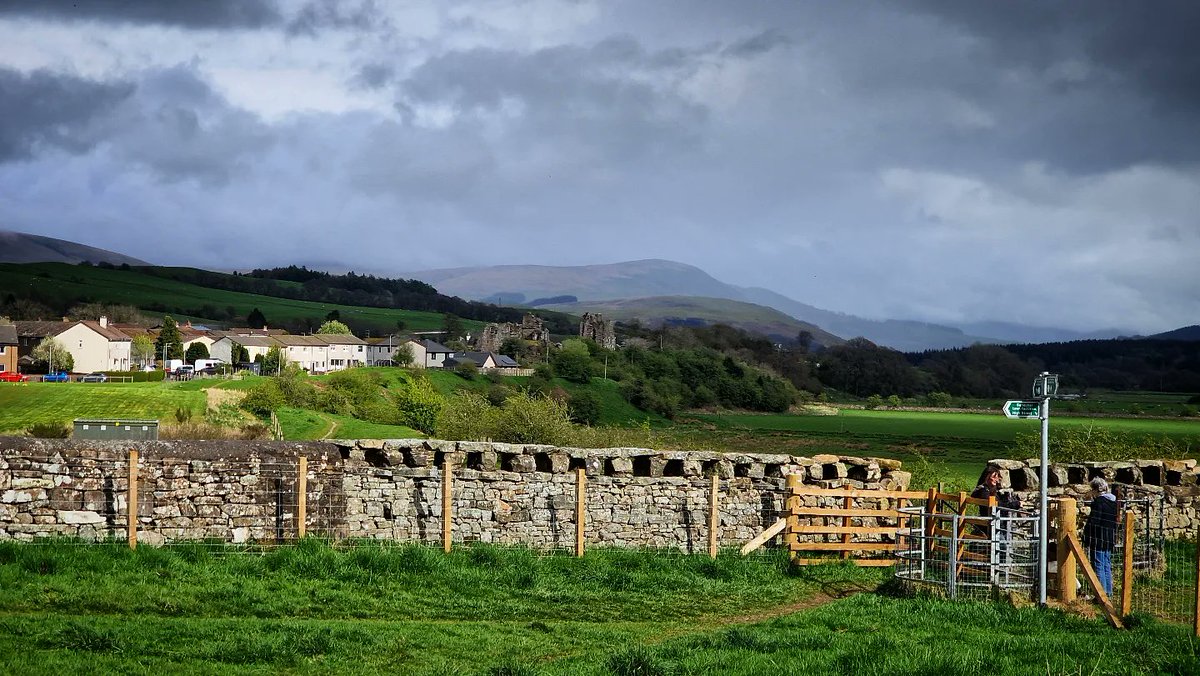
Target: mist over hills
(20, 247)
(655, 278)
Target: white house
(255, 345)
(310, 353)
(429, 354)
(95, 346)
(344, 351)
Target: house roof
(341, 339)
(505, 361)
(301, 341)
(480, 358)
(432, 346)
(110, 333)
(252, 341)
(41, 329)
(8, 334)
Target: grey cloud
(321, 14)
(373, 75)
(44, 109)
(180, 128)
(205, 14)
(1151, 46)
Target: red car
(13, 377)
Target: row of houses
(102, 346)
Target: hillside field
(129, 287)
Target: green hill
(696, 310)
(61, 285)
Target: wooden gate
(865, 525)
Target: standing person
(1100, 531)
(989, 485)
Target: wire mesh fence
(964, 556)
(1143, 571)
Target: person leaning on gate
(1100, 532)
(989, 486)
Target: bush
(467, 416)
(1094, 443)
(894, 401)
(419, 405)
(584, 408)
(467, 370)
(938, 399)
(264, 398)
(873, 402)
(533, 420)
(297, 390)
(496, 394)
(54, 430)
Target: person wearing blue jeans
(1100, 531)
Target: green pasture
(371, 607)
(129, 287)
(302, 424)
(24, 404)
(960, 442)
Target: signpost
(1023, 408)
(1045, 387)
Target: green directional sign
(1023, 408)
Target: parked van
(202, 364)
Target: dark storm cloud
(179, 128)
(49, 110)
(1149, 45)
(185, 13)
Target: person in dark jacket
(989, 485)
(1100, 532)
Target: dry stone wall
(1169, 489)
(246, 492)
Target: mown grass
(24, 404)
(314, 608)
(303, 424)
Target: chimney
(103, 322)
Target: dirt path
(333, 425)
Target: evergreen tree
(170, 338)
(256, 319)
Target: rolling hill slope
(685, 310)
(516, 284)
(20, 247)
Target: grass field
(963, 442)
(129, 287)
(410, 609)
(301, 424)
(24, 404)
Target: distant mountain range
(653, 279)
(20, 247)
(698, 310)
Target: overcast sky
(1023, 161)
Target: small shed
(116, 430)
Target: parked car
(60, 377)
(94, 377)
(13, 377)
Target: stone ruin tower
(530, 329)
(597, 328)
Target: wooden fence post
(580, 509)
(931, 505)
(1196, 610)
(302, 498)
(847, 503)
(714, 518)
(791, 535)
(1127, 571)
(131, 499)
(447, 516)
(1067, 514)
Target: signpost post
(1045, 387)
